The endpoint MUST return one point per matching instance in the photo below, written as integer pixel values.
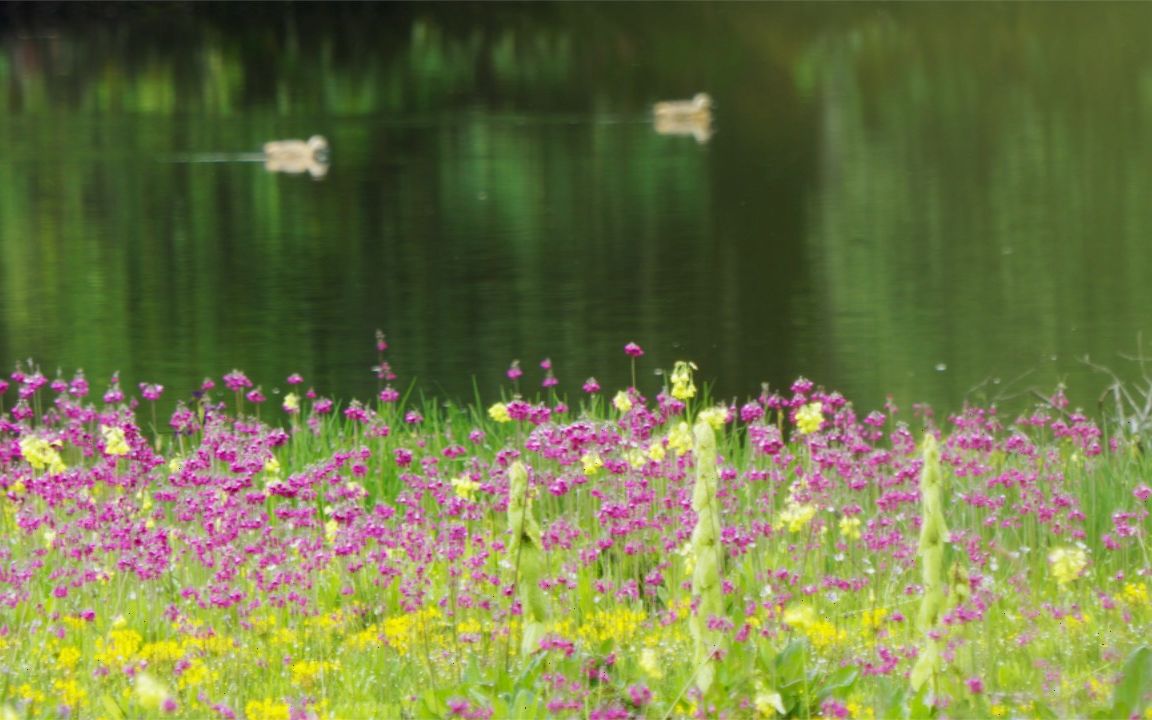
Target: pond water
(915, 200)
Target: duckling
(297, 156)
(700, 106)
(685, 117)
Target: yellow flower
(592, 463)
(795, 516)
(1067, 564)
(650, 664)
(465, 487)
(656, 451)
(809, 418)
(1135, 594)
(715, 416)
(175, 465)
(499, 413)
(68, 658)
(291, 402)
(622, 402)
(266, 709)
(680, 438)
(850, 527)
(305, 672)
(41, 454)
(682, 386)
(150, 692)
(272, 466)
(114, 441)
(769, 704)
(330, 529)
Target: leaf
(112, 707)
(919, 705)
(1042, 712)
(1135, 683)
(838, 684)
(790, 664)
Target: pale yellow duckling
(685, 117)
(297, 156)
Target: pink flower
(237, 381)
(295, 379)
(633, 350)
(514, 372)
(591, 386)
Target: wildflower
(151, 391)
(389, 395)
(272, 466)
(592, 463)
(295, 379)
(715, 416)
(633, 350)
(656, 452)
(465, 487)
(1135, 594)
(795, 516)
(236, 381)
(650, 664)
(850, 527)
(1067, 564)
(150, 692)
(768, 703)
(682, 386)
(114, 441)
(266, 709)
(331, 528)
(680, 438)
(809, 418)
(499, 413)
(514, 372)
(256, 396)
(41, 453)
(591, 386)
(622, 402)
(291, 403)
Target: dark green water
(906, 199)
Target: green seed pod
(528, 559)
(706, 553)
(933, 532)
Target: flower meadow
(642, 552)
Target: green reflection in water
(890, 188)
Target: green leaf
(919, 707)
(1042, 712)
(112, 707)
(838, 684)
(790, 664)
(1135, 683)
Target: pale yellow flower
(715, 416)
(656, 451)
(809, 418)
(622, 402)
(850, 527)
(114, 441)
(499, 413)
(150, 692)
(682, 385)
(41, 454)
(465, 487)
(650, 663)
(795, 516)
(680, 438)
(1067, 564)
(291, 402)
(592, 463)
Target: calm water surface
(898, 199)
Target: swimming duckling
(297, 156)
(685, 117)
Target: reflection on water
(296, 157)
(893, 190)
(685, 117)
